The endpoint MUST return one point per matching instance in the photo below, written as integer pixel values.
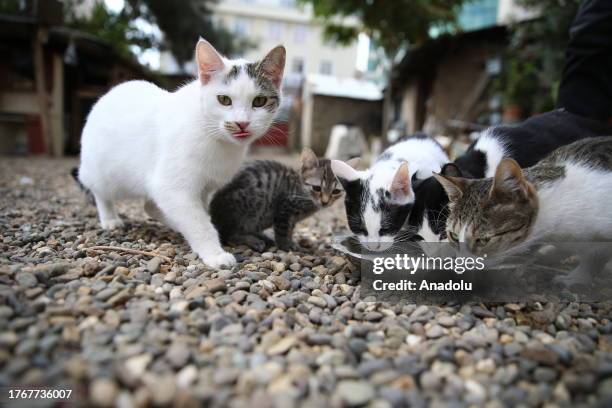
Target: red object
(278, 135)
(36, 142)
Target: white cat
(175, 148)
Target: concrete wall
(326, 111)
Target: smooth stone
(354, 393)
(26, 279)
(103, 392)
(434, 332)
(153, 265)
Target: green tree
(391, 24)
(117, 29)
(180, 22)
(9, 6)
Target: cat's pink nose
(243, 125)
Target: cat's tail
(75, 175)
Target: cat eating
(379, 200)
(268, 194)
(527, 143)
(175, 148)
(564, 197)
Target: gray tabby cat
(268, 194)
(565, 197)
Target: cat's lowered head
(379, 200)
(174, 148)
(564, 197)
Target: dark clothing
(586, 83)
(533, 139)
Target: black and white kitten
(379, 200)
(269, 194)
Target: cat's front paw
(112, 224)
(287, 245)
(219, 260)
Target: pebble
(354, 393)
(434, 332)
(282, 346)
(103, 392)
(154, 265)
(317, 301)
(178, 354)
(26, 279)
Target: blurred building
(441, 87)
(444, 86)
(267, 23)
(50, 76)
(328, 101)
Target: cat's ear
(345, 174)
(509, 180)
(400, 186)
(273, 65)
(454, 186)
(209, 61)
(308, 159)
(451, 170)
(354, 162)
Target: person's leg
(586, 83)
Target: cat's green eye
(336, 191)
(453, 237)
(316, 188)
(224, 100)
(259, 101)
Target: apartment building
(267, 23)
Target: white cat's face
(239, 98)
(377, 205)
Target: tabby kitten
(268, 194)
(565, 197)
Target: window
(300, 33)
(297, 65)
(325, 67)
(275, 31)
(241, 27)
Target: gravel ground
(280, 329)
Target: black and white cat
(379, 200)
(526, 143)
